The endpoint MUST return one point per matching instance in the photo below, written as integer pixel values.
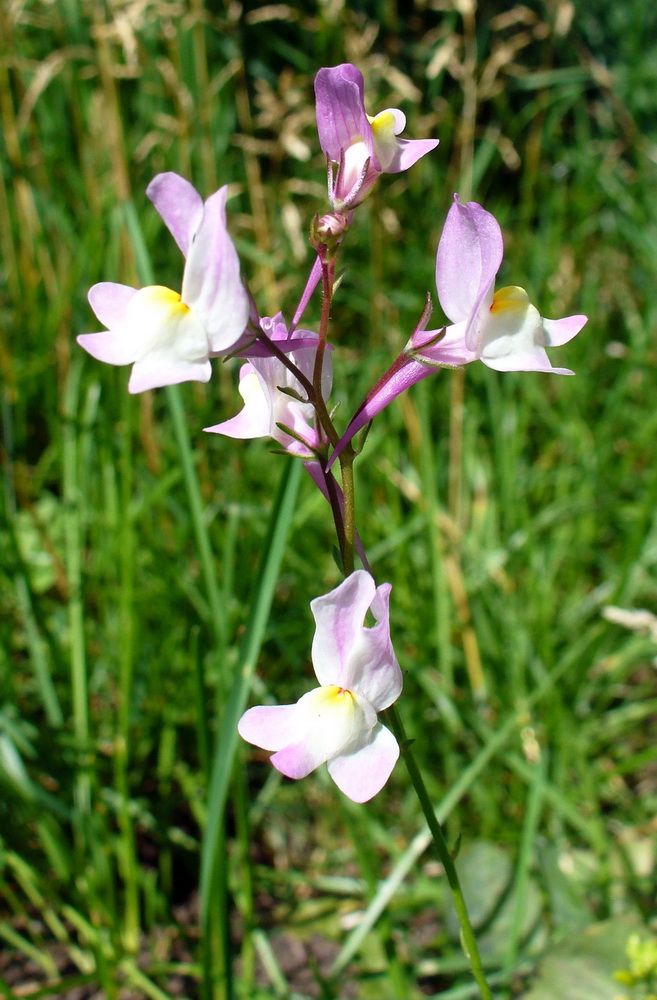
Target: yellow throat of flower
(512, 298)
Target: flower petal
(109, 300)
(512, 334)
(180, 206)
(408, 152)
(270, 726)
(254, 420)
(158, 369)
(469, 256)
(109, 346)
(534, 361)
(374, 671)
(340, 106)
(212, 286)
(334, 721)
(560, 331)
(362, 774)
(339, 618)
(348, 654)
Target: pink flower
(169, 337)
(337, 723)
(361, 146)
(266, 406)
(502, 329)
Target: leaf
(582, 966)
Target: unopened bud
(327, 230)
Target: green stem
(127, 849)
(73, 549)
(467, 933)
(177, 412)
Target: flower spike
(337, 723)
(169, 337)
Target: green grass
(141, 556)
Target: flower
(337, 722)
(502, 329)
(361, 146)
(266, 406)
(166, 336)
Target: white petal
(155, 371)
(362, 774)
(339, 617)
(212, 286)
(254, 419)
(334, 722)
(510, 326)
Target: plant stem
(467, 933)
(328, 269)
(348, 517)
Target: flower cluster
(285, 381)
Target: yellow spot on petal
(334, 697)
(512, 298)
(166, 298)
(383, 124)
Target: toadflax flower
(501, 328)
(266, 406)
(362, 147)
(337, 722)
(166, 336)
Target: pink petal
(244, 426)
(180, 206)
(211, 283)
(298, 759)
(155, 371)
(560, 331)
(340, 105)
(373, 671)
(110, 301)
(270, 726)
(254, 419)
(468, 259)
(348, 654)
(409, 151)
(362, 774)
(108, 346)
(339, 619)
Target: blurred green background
(507, 511)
